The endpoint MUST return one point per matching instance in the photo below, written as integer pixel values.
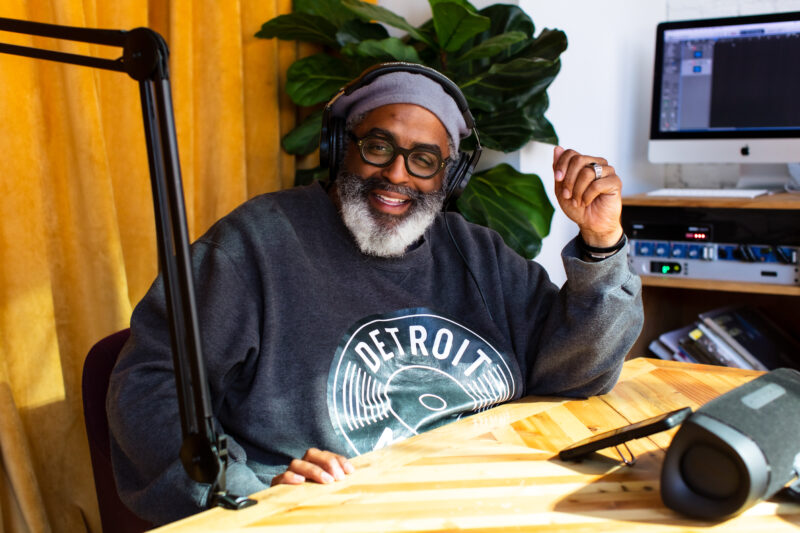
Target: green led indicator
(664, 268)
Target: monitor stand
(768, 176)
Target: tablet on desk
(620, 435)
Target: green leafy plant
(491, 54)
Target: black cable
(466, 264)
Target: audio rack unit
(724, 244)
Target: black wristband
(594, 253)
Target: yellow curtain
(77, 243)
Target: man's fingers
(557, 151)
(316, 465)
(310, 471)
(288, 478)
(584, 178)
(334, 464)
(589, 186)
(579, 173)
(575, 173)
(347, 466)
(608, 184)
(327, 462)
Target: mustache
(356, 187)
(373, 183)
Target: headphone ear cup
(337, 145)
(459, 177)
(331, 144)
(325, 139)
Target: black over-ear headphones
(333, 136)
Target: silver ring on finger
(598, 170)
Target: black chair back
(114, 515)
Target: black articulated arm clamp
(144, 58)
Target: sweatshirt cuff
(589, 276)
(241, 480)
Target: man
(339, 321)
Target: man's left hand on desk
(316, 465)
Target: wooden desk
(497, 471)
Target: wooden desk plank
(498, 470)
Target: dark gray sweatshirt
(309, 342)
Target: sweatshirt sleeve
(142, 405)
(595, 318)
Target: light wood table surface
(498, 471)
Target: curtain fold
(77, 238)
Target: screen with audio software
(728, 77)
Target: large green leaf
(391, 49)
(512, 203)
(331, 10)
(511, 129)
(304, 138)
(316, 79)
(492, 46)
(300, 27)
(513, 83)
(504, 19)
(356, 30)
(518, 73)
(463, 3)
(456, 24)
(548, 45)
(381, 14)
(510, 85)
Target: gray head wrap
(404, 88)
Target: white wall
(600, 101)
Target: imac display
(727, 90)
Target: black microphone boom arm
(145, 59)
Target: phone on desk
(617, 436)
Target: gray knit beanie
(404, 88)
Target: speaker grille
(766, 410)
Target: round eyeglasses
(381, 152)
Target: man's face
(409, 126)
(388, 208)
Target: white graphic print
(408, 372)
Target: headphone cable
(466, 264)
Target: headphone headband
(375, 71)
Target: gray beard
(380, 234)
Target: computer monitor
(727, 90)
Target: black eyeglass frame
(397, 150)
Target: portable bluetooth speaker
(736, 450)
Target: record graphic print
(410, 371)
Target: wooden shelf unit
(670, 303)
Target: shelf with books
(668, 308)
(737, 336)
